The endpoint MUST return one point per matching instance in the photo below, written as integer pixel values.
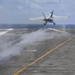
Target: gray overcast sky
(18, 11)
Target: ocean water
(36, 26)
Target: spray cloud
(7, 50)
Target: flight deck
(37, 52)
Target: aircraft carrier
(37, 52)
